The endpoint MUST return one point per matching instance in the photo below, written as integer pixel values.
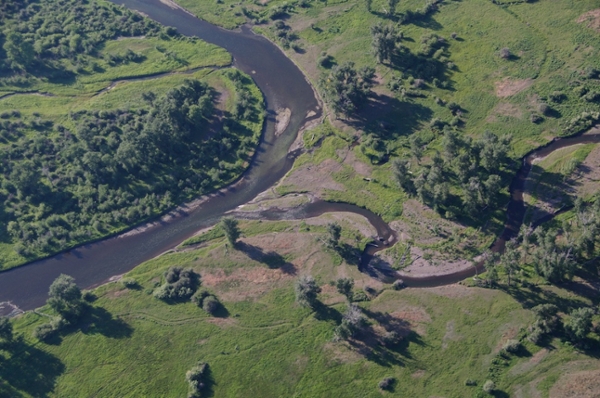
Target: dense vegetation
(78, 167)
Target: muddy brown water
(283, 86)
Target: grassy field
(263, 344)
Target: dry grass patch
(591, 19)
(508, 87)
(584, 384)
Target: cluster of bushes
(61, 38)
(285, 36)
(245, 104)
(180, 284)
(207, 301)
(475, 166)
(118, 167)
(347, 89)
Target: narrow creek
(283, 86)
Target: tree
(344, 286)
(551, 261)
(65, 297)
(402, 176)
(6, 330)
(510, 259)
(451, 144)
(385, 40)
(492, 188)
(334, 233)
(352, 323)
(19, 52)
(416, 147)
(347, 89)
(579, 323)
(229, 226)
(306, 289)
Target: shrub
(387, 383)
(512, 346)
(489, 386)
(210, 304)
(391, 338)
(129, 283)
(504, 53)
(470, 382)
(398, 284)
(44, 332)
(196, 378)
(199, 297)
(535, 118)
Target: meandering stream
(283, 86)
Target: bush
(196, 378)
(489, 386)
(387, 383)
(211, 304)
(512, 346)
(129, 283)
(504, 53)
(398, 284)
(181, 284)
(470, 382)
(199, 297)
(44, 332)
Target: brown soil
(314, 178)
(584, 384)
(507, 87)
(434, 266)
(591, 19)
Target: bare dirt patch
(418, 374)
(314, 178)
(591, 19)
(117, 293)
(508, 87)
(584, 384)
(434, 266)
(353, 220)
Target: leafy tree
(347, 89)
(416, 147)
(552, 262)
(402, 176)
(451, 144)
(334, 233)
(65, 297)
(306, 289)
(19, 52)
(385, 39)
(229, 226)
(353, 322)
(579, 323)
(344, 286)
(510, 259)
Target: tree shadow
(271, 259)
(349, 253)
(326, 313)
(30, 370)
(99, 321)
(398, 118)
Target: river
(283, 86)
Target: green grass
(135, 345)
